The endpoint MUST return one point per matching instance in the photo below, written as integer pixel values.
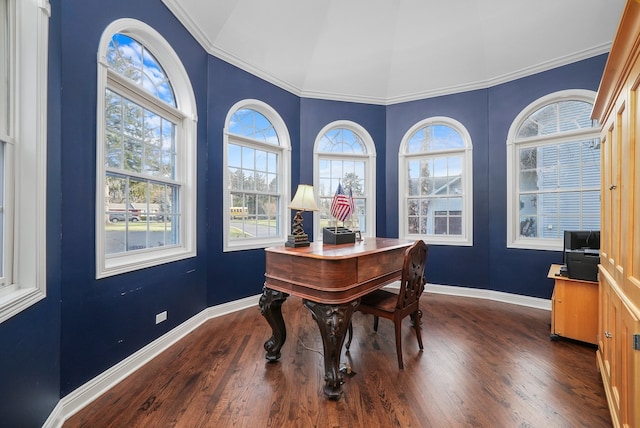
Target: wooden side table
(574, 308)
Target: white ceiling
(390, 51)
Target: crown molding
(175, 7)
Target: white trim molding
(185, 117)
(466, 238)
(369, 158)
(283, 149)
(27, 160)
(514, 240)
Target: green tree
(351, 180)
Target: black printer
(582, 254)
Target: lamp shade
(304, 199)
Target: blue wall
(104, 321)
(85, 326)
(487, 115)
(448, 265)
(316, 114)
(514, 270)
(240, 273)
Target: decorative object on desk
(338, 235)
(341, 205)
(341, 208)
(303, 200)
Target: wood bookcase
(617, 108)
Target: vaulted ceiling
(390, 51)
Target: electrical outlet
(162, 316)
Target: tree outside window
(256, 176)
(343, 155)
(146, 144)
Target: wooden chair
(386, 304)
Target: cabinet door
(606, 172)
(615, 356)
(609, 344)
(604, 334)
(629, 363)
(631, 284)
(603, 317)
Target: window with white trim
(146, 144)
(345, 154)
(24, 28)
(257, 159)
(436, 183)
(553, 162)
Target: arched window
(256, 177)
(436, 192)
(146, 145)
(553, 162)
(345, 154)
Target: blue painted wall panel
(315, 114)
(238, 274)
(104, 321)
(514, 270)
(447, 265)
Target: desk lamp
(303, 200)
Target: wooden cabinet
(574, 308)
(618, 356)
(617, 108)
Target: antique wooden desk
(330, 279)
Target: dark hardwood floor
(485, 364)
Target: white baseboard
(85, 394)
(498, 296)
(477, 293)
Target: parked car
(121, 216)
(120, 212)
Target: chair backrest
(413, 279)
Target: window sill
(439, 240)
(132, 262)
(546, 245)
(16, 301)
(253, 245)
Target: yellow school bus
(238, 212)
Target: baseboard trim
(85, 394)
(498, 296)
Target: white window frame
(370, 172)
(25, 158)
(186, 145)
(283, 149)
(513, 223)
(466, 239)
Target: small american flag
(341, 206)
(352, 205)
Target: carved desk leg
(333, 321)
(271, 308)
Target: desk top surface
(320, 250)
(554, 273)
(335, 274)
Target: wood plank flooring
(485, 364)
